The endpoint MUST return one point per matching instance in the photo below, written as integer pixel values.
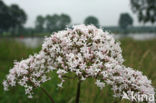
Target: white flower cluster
(127, 80)
(29, 73)
(84, 51)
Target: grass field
(140, 55)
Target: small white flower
(60, 85)
(100, 84)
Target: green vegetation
(51, 23)
(125, 21)
(91, 20)
(132, 29)
(140, 55)
(12, 18)
(145, 10)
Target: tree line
(51, 23)
(13, 18)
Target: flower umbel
(85, 51)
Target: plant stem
(78, 92)
(67, 77)
(49, 96)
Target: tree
(125, 21)
(91, 20)
(11, 17)
(18, 16)
(56, 22)
(51, 22)
(64, 21)
(145, 9)
(4, 17)
(39, 23)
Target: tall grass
(140, 55)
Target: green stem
(49, 96)
(78, 92)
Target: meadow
(140, 55)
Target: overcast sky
(107, 11)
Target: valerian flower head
(84, 51)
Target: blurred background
(25, 23)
